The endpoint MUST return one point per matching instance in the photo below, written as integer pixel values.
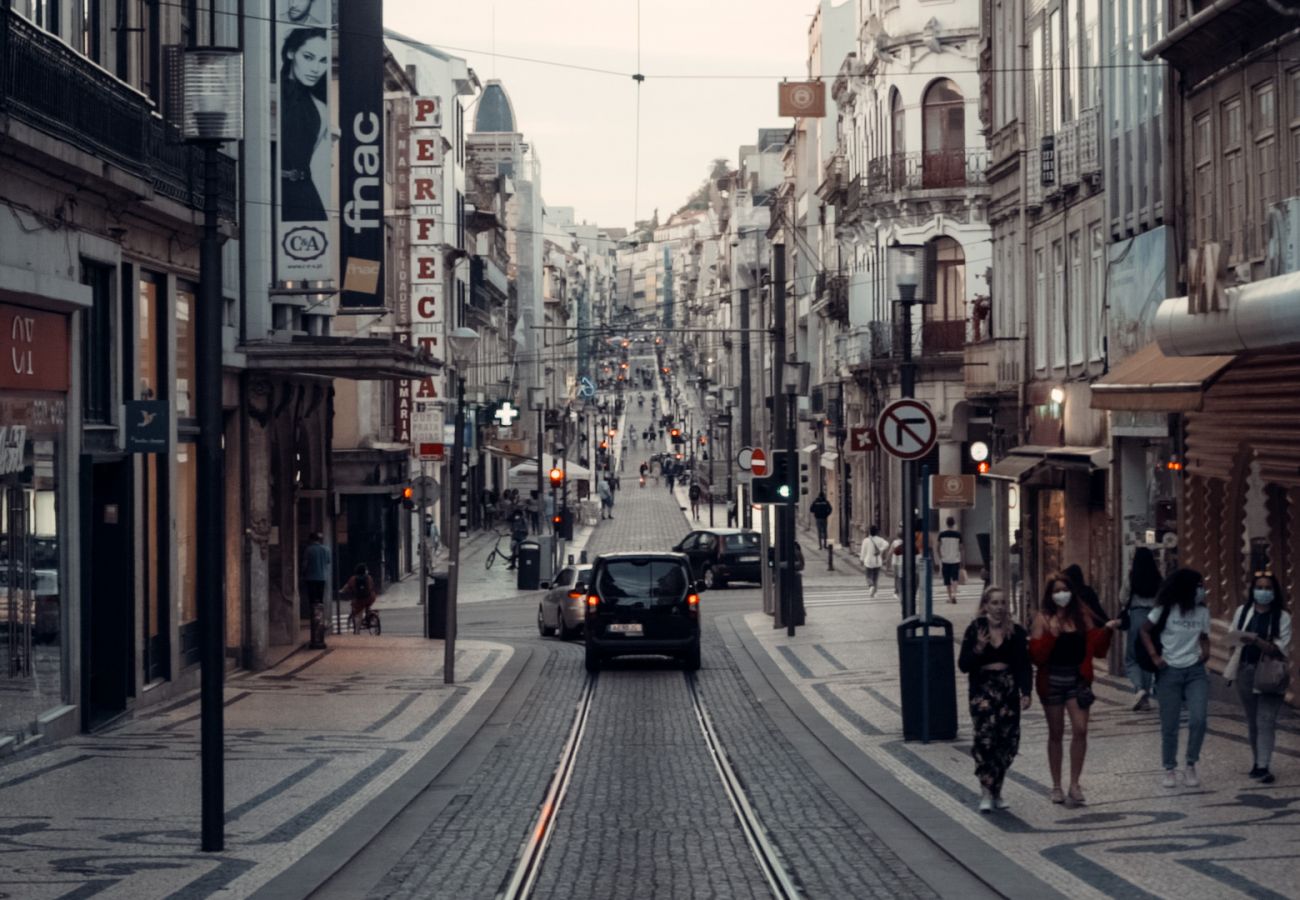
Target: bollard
(830, 557)
(570, 559)
(582, 558)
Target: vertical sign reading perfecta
(361, 154)
(427, 286)
(304, 237)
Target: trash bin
(546, 559)
(530, 566)
(942, 685)
(435, 606)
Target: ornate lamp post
(463, 342)
(906, 262)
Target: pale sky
(583, 123)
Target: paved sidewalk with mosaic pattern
(309, 744)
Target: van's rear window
(642, 582)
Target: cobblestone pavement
(1229, 837)
(309, 744)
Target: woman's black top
(300, 126)
(1013, 651)
(1069, 650)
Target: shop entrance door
(19, 579)
(109, 595)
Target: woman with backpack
(1143, 585)
(1063, 641)
(1262, 628)
(1176, 635)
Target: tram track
(532, 855)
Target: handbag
(1271, 676)
(1140, 654)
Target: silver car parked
(562, 609)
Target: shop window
(150, 360)
(187, 550)
(186, 310)
(97, 345)
(33, 591)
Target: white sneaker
(999, 803)
(986, 801)
(1170, 779)
(1190, 778)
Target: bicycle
(497, 552)
(369, 621)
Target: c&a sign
(33, 349)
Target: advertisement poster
(304, 246)
(361, 154)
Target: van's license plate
(625, 628)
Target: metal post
(541, 431)
(785, 514)
(210, 581)
(907, 374)
(424, 548)
(746, 401)
(453, 563)
(778, 417)
(730, 461)
(711, 455)
(929, 607)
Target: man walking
(950, 557)
(821, 511)
(606, 499)
(315, 572)
(874, 548)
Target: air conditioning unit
(1283, 237)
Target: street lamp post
(906, 262)
(463, 342)
(212, 113)
(537, 401)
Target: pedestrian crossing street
(851, 594)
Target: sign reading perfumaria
(361, 156)
(304, 243)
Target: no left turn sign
(907, 429)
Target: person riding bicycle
(361, 589)
(518, 533)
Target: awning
(811, 448)
(1018, 464)
(828, 459)
(1149, 380)
(1090, 459)
(359, 359)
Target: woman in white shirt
(1264, 629)
(1180, 622)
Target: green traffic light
(783, 491)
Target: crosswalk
(859, 594)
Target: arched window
(944, 326)
(897, 140)
(943, 136)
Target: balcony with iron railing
(937, 171)
(48, 86)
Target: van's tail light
(575, 595)
(693, 601)
(592, 601)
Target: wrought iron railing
(928, 170)
(51, 87)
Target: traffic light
(983, 466)
(781, 486)
(557, 476)
(408, 497)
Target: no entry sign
(907, 429)
(758, 462)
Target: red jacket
(1097, 642)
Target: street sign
(862, 439)
(952, 491)
(145, 423)
(907, 429)
(758, 462)
(743, 458)
(433, 452)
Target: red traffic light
(676, 432)
(557, 475)
(983, 466)
(408, 492)
(556, 519)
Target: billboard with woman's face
(304, 246)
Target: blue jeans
(1140, 677)
(1175, 687)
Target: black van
(641, 604)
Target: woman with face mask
(995, 654)
(1180, 622)
(1064, 640)
(1262, 627)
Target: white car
(561, 611)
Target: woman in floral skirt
(995, 654)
